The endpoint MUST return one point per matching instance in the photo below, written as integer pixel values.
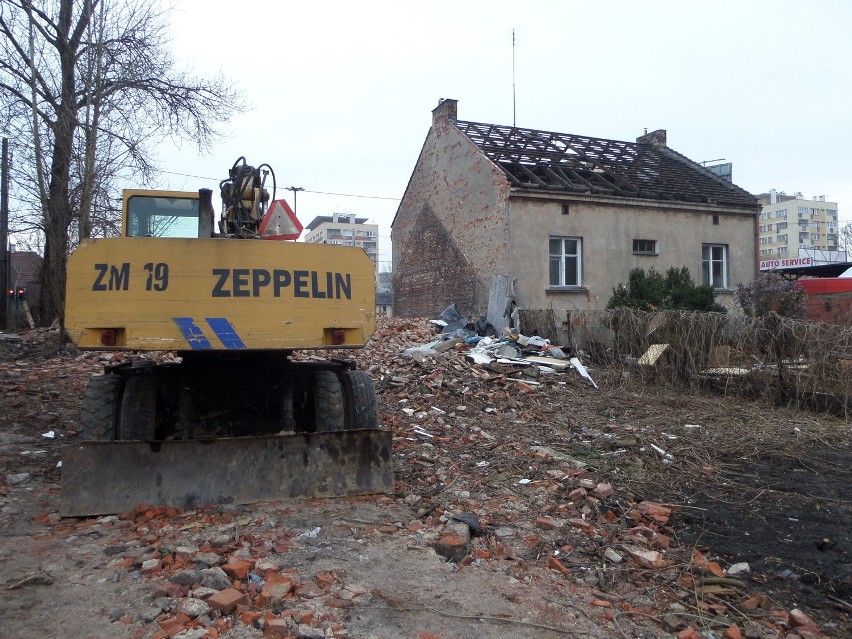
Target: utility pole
(4, 235)
(295, 190)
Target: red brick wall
(432, 272)
(450, 233)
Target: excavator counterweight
(238, 414)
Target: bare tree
(844, 239)
(88, 88)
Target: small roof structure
(25, 268)
(343, 218)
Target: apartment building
(791, 226)
(347, 230)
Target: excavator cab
(163, 215)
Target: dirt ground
(609, 512)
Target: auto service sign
(793, 262)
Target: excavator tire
(100, 408)
(328, 402)
(361, 410)
(138, 415)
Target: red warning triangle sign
(280, 223)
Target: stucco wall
(607, 230)
(450, 233)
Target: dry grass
(772, 359)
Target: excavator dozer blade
(100, 478)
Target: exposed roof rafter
(576, 163)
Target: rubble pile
(506, 467)
(497, 443)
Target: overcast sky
(342, 92)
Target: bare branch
(89, 95)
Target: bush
(771, 293)
(653, 291)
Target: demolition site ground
(522, 508)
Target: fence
(771, 358)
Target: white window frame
(563, 256)
(711, 255)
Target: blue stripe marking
(191, 333)
(225, 332)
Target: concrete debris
(741, 569)
(480, 345)
(613, 556)
(16, 479)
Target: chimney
(773, 196)
(334, 217)
(446, 111)
(654, 138)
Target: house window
(644, 247)
(566, 261)
(714, 265)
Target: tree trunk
(58, 215)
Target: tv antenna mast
(514, 109)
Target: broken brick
(278, 585)
(238, 569)
(733, 632)
(554, 564)
(226, 601)
(277, 628)
(454, 543)
(647, 558)
(655, 511)
(174, 625)
(799, 618)
(325, 579)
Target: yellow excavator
(238, 414)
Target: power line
(370, 197)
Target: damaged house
(555, 220)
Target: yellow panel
(218, 294)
